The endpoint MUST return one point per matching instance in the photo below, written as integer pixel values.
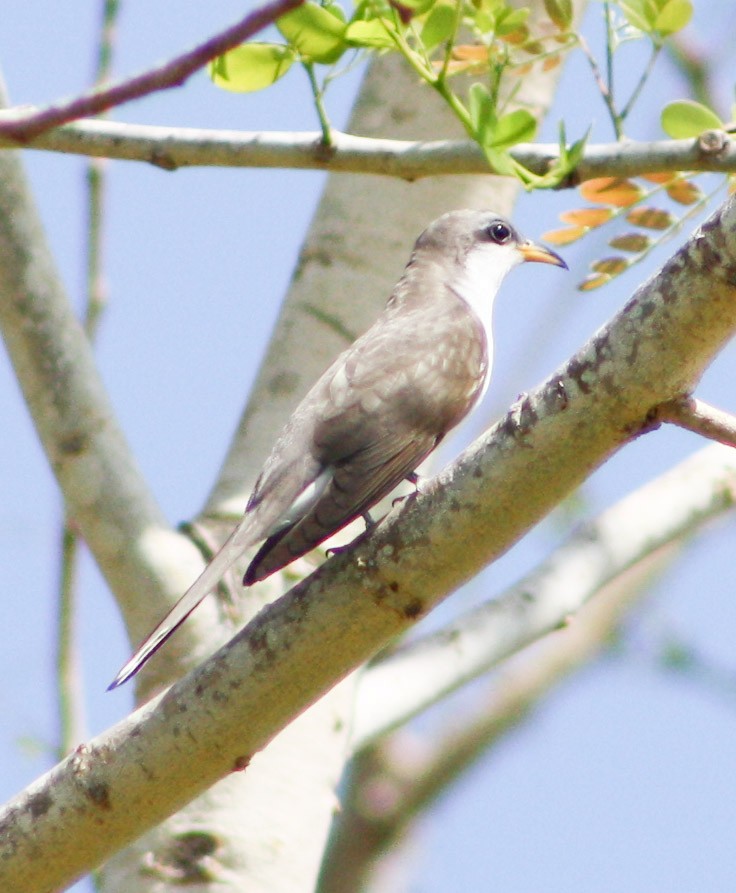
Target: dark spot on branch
(99, 793)
(413, 609)
(163, 160)
(39, 804)
(73, 444)
(241, 763)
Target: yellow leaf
(595, 280)
(684, 192)
(470, 52)
(659, 177)
(614, 191)
(650, 218)
(586, 216)
(565, 236)
(631, 242)
(611, 266)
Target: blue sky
(624, 777)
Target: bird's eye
(499, 232)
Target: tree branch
(600, 552)
(20, 126)
(396, 779)
(104, 492)
(213, 721)
(699, 417)
(172, 148)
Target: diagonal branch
(104, 492)
(21, 126)
(171, 148)
(396, 779)
(213, 721)
(655, 516)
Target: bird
(379, 410)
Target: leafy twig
(318, 96)
(24, 125)
(174, 147)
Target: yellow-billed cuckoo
(381, 407)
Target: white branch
(171, 148)
(104, 492)
(213, 721)
(426, 670)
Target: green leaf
(250, 67)
(315, 32)
(640, 13)
(482, 114)
(687, 119)
(371, 34)
(439, 27)
(501, 162)
(516, 127)
(560, 12)
(511, 20)
(673, 17)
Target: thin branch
(700, 417)
(603, 87)
(655, 516)
(23, 125)
(72, 723)
(646, 74)
(71, 714)
(172, 148)
(212, 722)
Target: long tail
(239, 540)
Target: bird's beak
(540, 254)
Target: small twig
(699, 417)
(617, 119)
(603, 88)
(27, 124)
(654, 55)
(318, 94)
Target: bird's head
(474, 251)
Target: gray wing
(373, 418)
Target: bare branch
(171, 148)
(659, 514)
(213, 721)
(20, 126)
(700, 417)
(104, 492)
(397, 778)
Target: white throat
(478, 283)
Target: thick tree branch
(172, 148)
(394, 781)
(213, 721)
(20, 126)
(103, 489)
(657, 515)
